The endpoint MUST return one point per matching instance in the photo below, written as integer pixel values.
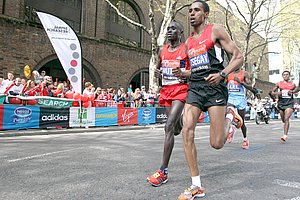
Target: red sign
(201, 118)
(1, 116)
(127, 116)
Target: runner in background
(285, 91)
(237, 83)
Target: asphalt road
(114, 165)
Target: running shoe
(231, 133)
(237, 119)
(192, 192)
(284, 138)
(158, 178)
(246, 144)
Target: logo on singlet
(201, 42)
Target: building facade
(287, 47)
(114, 52)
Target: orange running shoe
(246, 144)
(158, 178)
(192, 192)
(284, 138)
(231, 133)
(237, 119)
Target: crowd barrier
(49, 112)
(25, 117)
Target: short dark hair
(286, 71)
(204, 4)
(179, 25)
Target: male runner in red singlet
(284, 90)
(207, 89)
(172, 95)
(237, 83)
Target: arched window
(67, 10)
(118, 29)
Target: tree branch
(128, 19)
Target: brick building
(114, 52)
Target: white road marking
(294, 198)
(41, 155)
(287, 183)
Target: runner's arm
(183, 74)
(222, 40)
(247, 82)
(297, 89)
(158, 70)
(221, 36)
(275, 90)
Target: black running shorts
(283, 107)
(203, 95)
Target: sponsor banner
(106, 116)
(1, 116)
(67, 47)
(21, 117)
(54, 102)
(54, 117)
(127, 116)
(201, 118)
(146, 115)
(2, 98)
(87, 116)
(161, 115)
(206, 117)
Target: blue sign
(21, 117)
(106, 116)
(206, 117)
(146, 115)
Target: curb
(31, 132)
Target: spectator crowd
(43, 85)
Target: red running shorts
(170, 93)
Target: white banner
(67, 47)
(87, 117)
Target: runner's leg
(219, 126)
(287, 114)
(173, 118)
(190, 117)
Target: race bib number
(234, 87)
(285, 94)
(199, 59)
(167, 74)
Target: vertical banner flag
(67, 47)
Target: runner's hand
(213, 79)
(237, 79)
(177, 72)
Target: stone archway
(53, 68)
(140, 78)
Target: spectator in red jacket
(30, 89)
